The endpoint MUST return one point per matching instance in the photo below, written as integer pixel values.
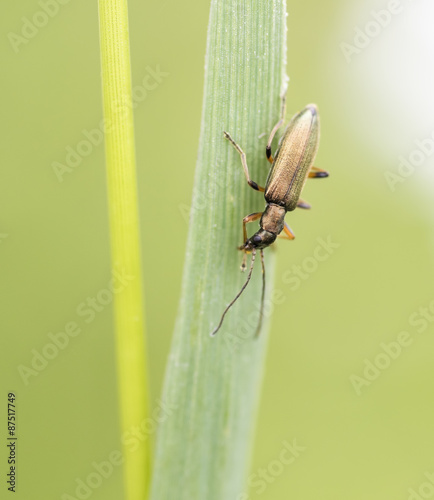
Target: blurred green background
(367, 430)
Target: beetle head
(261, 239)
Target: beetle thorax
(272, 219)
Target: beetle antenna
(261, 313)
(238, 294)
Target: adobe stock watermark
(87, 311)
(390, 351)
(201, 201)
(132, 439)
(363, 36)
(100, 472)
(298, 273)
(94, 137)
(264, 476)
(424, 490)
(294, 277)
(32, 25)
(407, 166)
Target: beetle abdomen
(294, 157)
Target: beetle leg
(242, 154)
(275, 129)
(289, 235)
(303, 204)
(247, 219)
(316, 172)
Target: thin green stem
(203, 447)
(125, 244)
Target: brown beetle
(290, 168)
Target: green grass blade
(203, 449)
(124, 230)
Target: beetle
(291, 166)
